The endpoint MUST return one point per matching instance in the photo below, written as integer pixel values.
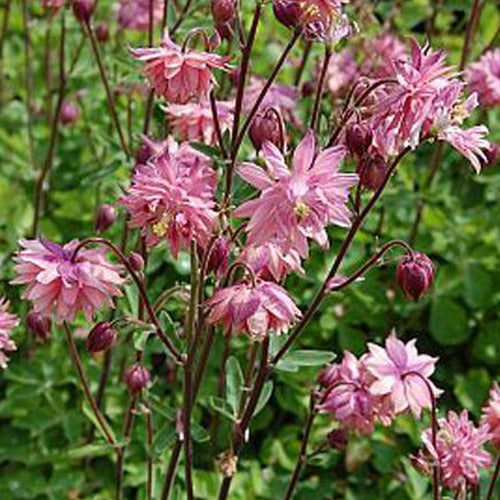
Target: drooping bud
(358, 138)
(69, 113)
(415, 275)
(136, 378)
(492, 154)
(223, 11)
(219, 253)
(102, 32)
(144, 153)
(307, 89)
(288, 12)
(105, 217)
(338, 439)
(83, 9)
(266, 127)
(38, 325)
(328, 375)
(372, 171)
(136, 261)
(101, 337)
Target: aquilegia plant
(307, 177)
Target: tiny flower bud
(338, 439)
(266, 127)
(307, 89)
(136, 261)
(372, 171)
(100, 338)
(415, 275)
(328, 375)
(106, 215)
(102, 32)
(144, 153)
(223, 10)
(69, 113)
(492, 154)
(136, 378)
(288, 12)
(219, 253)
(38, 325)
(358, 138)
(83, 9)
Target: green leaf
(234, 383)
(163, 438)
(478, 286)
(90, 415)
(89, 450)
(448, 322)
(295, 359)
(198, 433)
(222, 406)
(472, 389)
(266, 393)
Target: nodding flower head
(267, 126)
(415, 275)
(137, 378)
(100, 338)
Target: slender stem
(49, 158)
(469, 34)
(252, 358)
(3, 35)
(88, 393)
(149, 446)
(319, 90)
(188, 388)
(151, 94)
(164, 19)
(303, 64)
(172, 466)
(218, 131)
(491, 487)
(109, 94)
(302, 458)
(47, 69)
(182, 16)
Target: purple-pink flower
(379, 55)
(172, 197)
(403, 374)
(341, 72)
(255, 310)
(483, 77)
(459, 449)
(296, 204)
(491, 415)
(57, 282)
(8, 322)
(179, 74)
(134, 14)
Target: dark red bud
(358, 138)
(219, 254)
(136, 261)
(143, 154)
(288, 12)
(224, 31)
(372, 171)
(415, 275)
(492, 154)
(266, 127)
(223, 11)
(83, 9)
(69, 113)
(105, 217)
(338, 439)
(136, 378)
(102, 32)
(235, 76)
(100, 338)
(307, 89)
(38, 325)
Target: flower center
(301, 210)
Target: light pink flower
(483, 77)
(380, 54)
(134, 14)
(459, 449)
(57, 283)
(53, 6)
(284, 97)
(177, 74)
(254, 310)
(296, 204)
(194, 121)
(8, 322)
(491, 415)
(403, 374)
(341, 73)
(269, 262)
(324, 20)
(348, 397)
(172, 197)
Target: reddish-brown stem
(491, 487)
(172, 466)
(3, 34)
(319, 90)
(149, 447)
(244, 266)
(164, 19)
(303, 64)
(218, 131)
(470, 32)
(182, 16)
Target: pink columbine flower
(244, 308)
(172, 198)
(281, 96)
(8, 322)
(403, 374)
(380, 54)
(347, 395)
(324, 20)
(491, 415)
(195, 122)
(58, 283)
(297, 204)
(178, 74)
(52, 6)
(483, 77)
(134, 14)
(459, 449)
(341, 72)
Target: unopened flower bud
(136, 261)
(372, 171)
(100, 338)
(218, 258)
(144, 153)
(223, 11)
(105, 217)
(338, 439)
(415, 275)
(328, 375)
(266, 127)
(307, 89)
(288, 12)
(102, 32)
(136, 378)
(358, 138)
(492, 154)
(69, 113)
(38, 325)
(83, 9)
